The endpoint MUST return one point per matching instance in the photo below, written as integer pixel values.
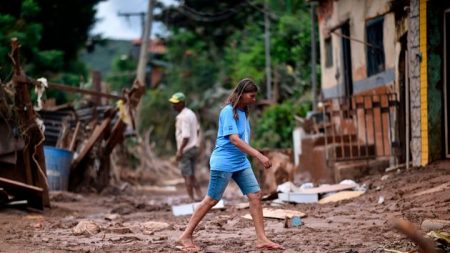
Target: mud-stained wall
(332, 14)
(414, 82)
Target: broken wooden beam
(95, 137)
(74, 137)
(67, 88)
(33, 194)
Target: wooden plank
(280, 214)
(34, 195)
(328, 188)
(116, 136)
(8, 183)
(74, 137)
(341, 196)
(66, 88)
(95, 137)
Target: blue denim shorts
(219, 180)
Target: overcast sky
(110, 25)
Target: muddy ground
(123, 217)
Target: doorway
(347, 60)
(447, 80)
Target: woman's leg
(249, 186)
(217, 183)
(200, 212)
(258, 220)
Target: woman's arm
(249, 150)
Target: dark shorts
(187, 163)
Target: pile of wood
(91, 133)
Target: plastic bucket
(57, 163)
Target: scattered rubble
(86, 227)
(307, 193)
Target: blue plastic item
(296, 221)
(57, 163)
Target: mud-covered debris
(434, 224)
(112, 216)
(381, 200)
(38, 225)
(86, 227)
(119, 230)
(123, 209)
(384, 178)
(62, 196)
(151, 227)
(125, 239)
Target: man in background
(186, 133)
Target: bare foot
(268, 244)
(186, 244)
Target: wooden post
(33, 152)
(97, 83)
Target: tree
(213, 44)
(51, 33)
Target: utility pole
(143, 56)
(127, 15)
(267, 50)
(313, 56)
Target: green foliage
(245, 57)
(29, 9)
(208, 57)
(18, 24)
(51, 60)
(162, 124)
(274, 128)
(51, 32)
(122, 73)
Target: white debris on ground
(308, 193)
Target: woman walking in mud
(229, 160)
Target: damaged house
(384, 86)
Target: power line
(203, 18)
(205, 14)
(263, 10)
(208, 17)
(222, 15)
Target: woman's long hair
(244, 86)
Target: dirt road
(127, 220)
